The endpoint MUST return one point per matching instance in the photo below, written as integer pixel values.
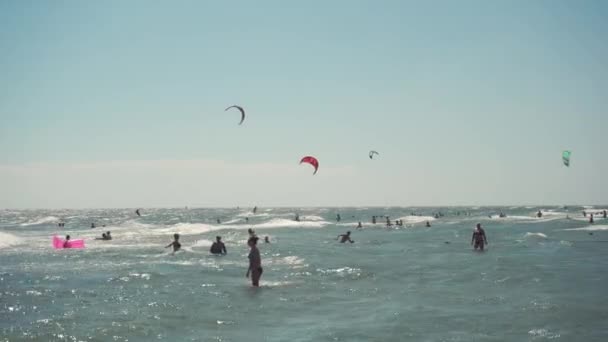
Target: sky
(121, 103)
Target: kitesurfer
(345, 237)
(176, 245)
(218, 246)
(479, 237)
(255, 262)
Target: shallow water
(540, 279)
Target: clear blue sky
(468, 102)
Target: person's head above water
(176, 236)
(67, 237)
(348, 232)
(478, 226)
(218, 238)
(108, 232)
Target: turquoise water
(540, 279)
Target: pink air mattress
(58, 243)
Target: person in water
(605, 213)
(218, 221)
(359, 225)
(584, 213)
(255, 210)
(345, 237)
(218, 246)
(103, 237)
(66, 243)
(539, 214)
(108, 236)
(338, 218)
(175, 244)
(137, 212)
(255, 262)
(246, 219)
(297, 218)
(92, 225)
(428, 224)
(251, 233)
(479, 238)
(591, 218)
(266, 239)
(374, 219)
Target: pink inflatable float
(59, 243)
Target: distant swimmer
(266, 239)
(246, 219)
(604, 214)
(218, 246)
(584, 213)
(175, 244)
(479, 237)
(338, 218)
(66, 243)
(591, 218)
(218, 221)
(108, 236)
(539, 214)
(255, 210)
(251, 232)
(374, 219)
(359, 226)
(92, 225)
(345, 237)
(255, 262)
(297, 218)
(137, 212)
(428, 224)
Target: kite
(241, 110)
(312, 161)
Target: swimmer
(246, 219)
(297, 218)
(137, 212)
(255, 262)
(428, 224)
(359, 225)
(218, 221)
(108, 236)
(479, 237)
(539, 214)
(266, 239)
(251, 232)
(345, 237)
(218, 246)
(255, 210)
(176, 245)
(338, 218)
(591, 218)
(584, 213)
(92, 225)
(374, 219)
(605, 213)
(66, 243)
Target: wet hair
(478, 225)
(176, 236)
(253, 239)
(108, 232)
(67, 237)
(103, 235)
(218, 237)
(348, 232)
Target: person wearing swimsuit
(255, 262)
(479, 238)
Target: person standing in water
(218, 246)
(345, 237)
(255, 262)
(137, 212)
(255, 210)
(176, 245)
(590, 218)
(605, 213)
(359, 226)
(266, 239)
(479, 237)
(338, 218)
(297, 218)
(374, 219)
(66, 243)
(539, 214)
(428, 224)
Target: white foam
(41, 221)
(311, 218)
(7, 240)
(414, 219)
(590, 228)
(528, 234)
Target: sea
(539, 279)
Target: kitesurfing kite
(371, 154)
(241, 110)
(566, 158)
(312, 161)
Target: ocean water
(539, 280)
